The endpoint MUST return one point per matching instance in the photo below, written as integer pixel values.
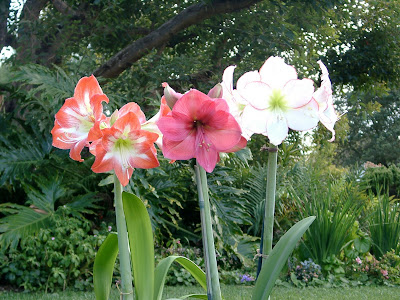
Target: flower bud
(216, 91)
(114, 117)
(170, 95)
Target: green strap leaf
(104, 265)
(194, 296)
(140, 236)
(162, 270)
(273, 265)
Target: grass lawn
(231, 292)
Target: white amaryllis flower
(323, 96)
(271, 101)
(235, 102)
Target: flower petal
(85, 89)
(127, 123)
(222, 131)
(145, 160)
(176, 126)
(103, 161)
(277, 129)
(133, 108)
(254, 120)
(303, 118)
(246, 78)
(123, 173)
(194, 104)
(328, 118)
(179, 150)
(227, 82)
(239, 146)
(76, 150)
(257, 94)
(207, 158)
(298, 92)
(276, 73)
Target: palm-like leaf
(19, 157)
(22, 221)
(255, 198)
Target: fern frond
(19, 158)
(50, 83)
(84, 204)
(50, 190)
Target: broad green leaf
(273, 265)
(104, 266)
(362, 244)
(162, 270)
(141, 244)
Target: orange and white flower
(77, 122)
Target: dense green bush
(384, 225)
(381, 179)
(57, 257)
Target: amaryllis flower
(125, 146)
(199, 127)
(151, 124)
(276, 101)
(323, 96)
(77, 122)
(235, 102)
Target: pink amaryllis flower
(125, 146)
(77, 122)
(272, 100)
(199, 127)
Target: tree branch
(192, 15)
(66, 10)
(27, 40)
(4, 11)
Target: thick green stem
(213, 287)
(270, 200)
(123, 244)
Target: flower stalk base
(123, 245)
(213, 286)
(268, 229)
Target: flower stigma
(278, 101)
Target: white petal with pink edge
(277, 129)
(276, 73)
(298, 92)
(246, 78)
(257, 94)
(303, 118)
(254, 120)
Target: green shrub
(384, 226)
(378, 177)
(58, 257)
(336, 209)
(370, 270)
(304, 273)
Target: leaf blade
(140, 235)
(162, 270)
(277, 259)
(104, 265)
